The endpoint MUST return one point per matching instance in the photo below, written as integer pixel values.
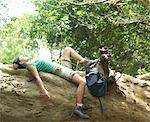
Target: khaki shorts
(64, 72)
(67, 73)
(65, 69)
(66, 62)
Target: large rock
(128, 99)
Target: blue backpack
(96, 83)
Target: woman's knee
(66, 52)
(82, 83)
(67, 49)
(79, 80)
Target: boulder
(127, 100)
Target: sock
(79, 104)
(82, 60)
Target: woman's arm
(39, 82)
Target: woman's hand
(47, 95)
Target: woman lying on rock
(60, 70)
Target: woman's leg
(81, 88)
(79, 96)
(70, 53)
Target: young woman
(60, 70)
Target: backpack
(96, 83)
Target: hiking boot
(86, 62)
(85, 107)
(80, 112)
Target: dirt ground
(15, 107)
(38, 110)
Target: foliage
(123, 26)
(15, 39)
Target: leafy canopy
(121, 25)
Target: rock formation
(127, 100)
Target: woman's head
(20, 61)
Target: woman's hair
(17, 61)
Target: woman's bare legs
(70, 53)
(81, 88)
(79, 96)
